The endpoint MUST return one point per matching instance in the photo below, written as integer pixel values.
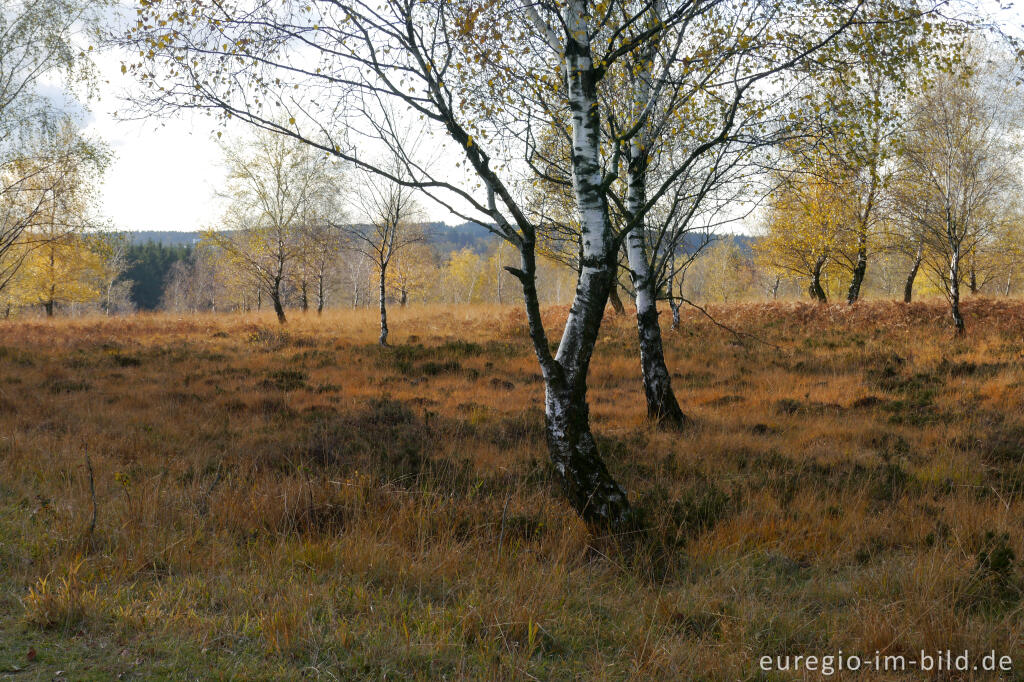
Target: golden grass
(284, 503)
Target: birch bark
(590, 488)
(662, 405)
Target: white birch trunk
(662, 405)
(588, 485)
(954, 289)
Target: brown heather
(299, 503)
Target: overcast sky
(165, 171)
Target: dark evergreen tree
(149, 264)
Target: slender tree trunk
(613, 298)
(585, 479)
(775, 287)
(383, 308)
(673, 304)
(588, 485)
(864, 220)
(815, 289)
(259, 299)
(304, 289)
(908, 288)
(1009, 280)
(404, 298)
(859, 268)
(954, 290)
(662, 405)
(48, 306)
(973, 281)
(497, 276)
(275, 296)
(320, 294)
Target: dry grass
(299, 503)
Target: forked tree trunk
(614, 300)
(586, 481)
(588, 485)
(275, 297)
(815, 289)
(908, 288)
(383, 308)
(48, 306)
(859, 268)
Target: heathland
(215, 496)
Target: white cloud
(165, 172)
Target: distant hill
(446, 238)
(163, 237)
(744, 241)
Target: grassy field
(298, 503)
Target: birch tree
(959, 167)
(413, 270)
(806, 225)
(665, 115)
(275, 185)
(321, 243)
(392, 214)
(49, 193)
(56, 206)
(42, 43)
(484, 76)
